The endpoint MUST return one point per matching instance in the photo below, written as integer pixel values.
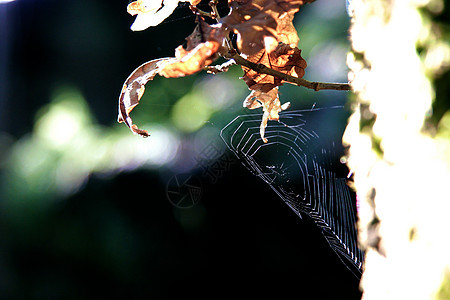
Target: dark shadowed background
(91, 211)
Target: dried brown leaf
(258, 24)
(264, 87)
(204, 32)
(284, 58)
(266, 36)
(261, 24)
(203, 45)
(202, 49)
(190, 62)
(134, 88)
(152, 12)
(270, 102)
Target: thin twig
(200, 12)
(215, 11)
(220, 68)
(260, 68)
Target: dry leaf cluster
(264, 35)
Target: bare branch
(215, 11)
(260, 68)
(200, 12)
(220, 68)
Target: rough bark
(401, 169)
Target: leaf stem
(200, 12)
(215, 11)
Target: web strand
(300, 162)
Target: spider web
(300, 162)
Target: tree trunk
(401, 164)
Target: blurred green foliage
(83, 209)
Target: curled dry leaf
(267, 36)
(264, 87)
(134, 88)
(284, 58)
(202, 50)
(190, 62)
(270, 102)
(204, 32)
(255, 27)
(261, 24)
(152, 12)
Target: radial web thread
(301, 163)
